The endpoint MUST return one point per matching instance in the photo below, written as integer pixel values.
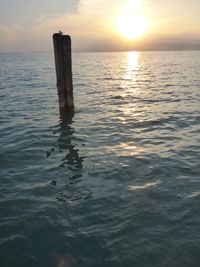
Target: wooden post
(63, 63)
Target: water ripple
(117, 184)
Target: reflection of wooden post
(63, 62)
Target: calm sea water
(119, 184)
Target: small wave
(117, 97)
(12, 238)
(170, 85)
(144, 186)
(82, 194)
(109, 79)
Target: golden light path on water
(132, 76)
(132, 66)
(129, 109)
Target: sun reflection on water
(131, 73)
(131, 149)
(129, 82)
(132, 66)
(131, 113)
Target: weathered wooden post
(63, 63)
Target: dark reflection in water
(71, 163)
(72, 158)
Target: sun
(132, 26)
(130, 21)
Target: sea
(117, 184)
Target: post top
(61, 34)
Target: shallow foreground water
(119, 184)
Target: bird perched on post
(61, 32)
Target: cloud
(91, 23)
(92, 16)
(34, 25)
(15, 10)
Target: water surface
(118, 184)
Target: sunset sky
(97, 25)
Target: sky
(98, 25)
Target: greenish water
(118, 185)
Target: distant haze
(29, 25)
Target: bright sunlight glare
(132, 26)
(130, 22)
